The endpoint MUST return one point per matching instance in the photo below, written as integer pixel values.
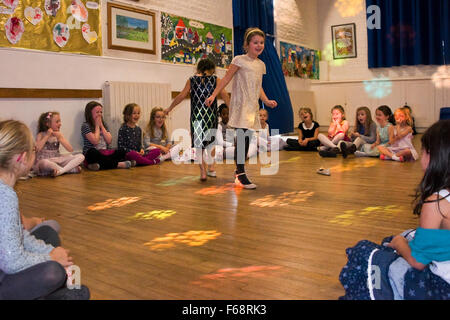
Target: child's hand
(397, 241)
(209, 101)
(164, 150)
(98, 121)
(142, 152)
(49, 131)
(271, 103)
(304, 143)
(355, 134)
(166, 111)
(57, 134)
(61, 255)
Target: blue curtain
(259, 13)
(412, 32)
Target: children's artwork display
(51, 25)
(187, 41)
(298, 61)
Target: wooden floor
(159, 233)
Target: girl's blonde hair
(307, 110)
(405, 111)
(250, 33)
(45, 120)
(15, 138)
(368, 119)
(341, 109)
(151, 124)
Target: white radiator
(117, 95)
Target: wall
(36, 69)
(345, 85)
(296, 22)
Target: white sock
(394, 157)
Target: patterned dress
(204, 120)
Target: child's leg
(243, 137)
(403, 154)
(32, 283)
(337, 138)
(326, 141)
(144, 160)
(70, 162)
(48, 167)
(106, 162)
(385, 151)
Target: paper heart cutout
(88, 35)
(79, 11)
(14, 29)
(34, 15)
(61, 34)
(11, 3)
(52, 7)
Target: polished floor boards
(159, 233)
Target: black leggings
(45, 280)
(293, 145)
(105, 161)
(243, 138)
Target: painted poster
(298, 61)
(51, 25)
(184, 40)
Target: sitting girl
(224, 136)
(336, 133)
(157, 137)
(266, 142)
(48, 159)
(308, 132)
(96, 139)
(130, 138)
(365, 131)
(29, 268)
(419, 268)
(400, 139)
(385, 119)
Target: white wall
(38, 69)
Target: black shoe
(352, 149)
(344, 150)
(327, 153)
(242, 181)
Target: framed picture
(131, 29)
(343, 38)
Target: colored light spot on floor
(224, 275)
(113, 203)
(178, 181)
(153, 215)
(220, 190)
(284, 199)
(360, 217)
(191, 238)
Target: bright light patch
(349, 166)
(350, 217)
(441, 78)
(285, 199)
(190, 238)
(327, 55)
(349, 8)
(219, 190)
(113, 203)
(378, 88)
(291, 160)
(173, 182)
(153, 215)
(236, 274)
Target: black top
(308, 132)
